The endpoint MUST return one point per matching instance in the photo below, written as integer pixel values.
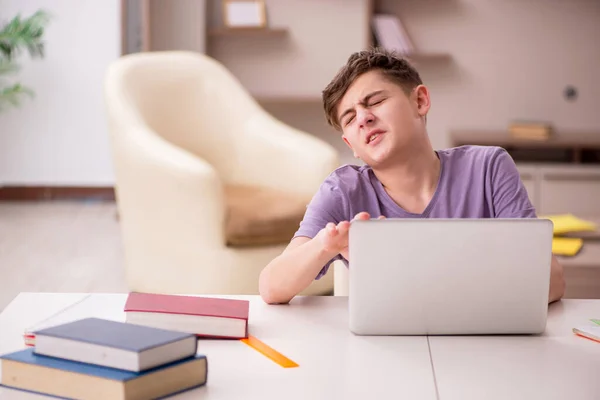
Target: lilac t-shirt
(474, 182)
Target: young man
(380, 105)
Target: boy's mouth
(373, 135)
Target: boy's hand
(335, 237)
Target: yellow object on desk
(566, 246)
(567, 223)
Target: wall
(511, 60)
(287, 73)
(60, 137)
(309, 116)
(299, 63)
(178, 25)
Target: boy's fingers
(331, 229)
(343, 227)
(362, 215)
(381, 217)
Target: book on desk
(117, 361)
(204, 316)
(115, 344)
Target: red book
(203, 316)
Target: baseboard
(41, 193)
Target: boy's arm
(303, 260)
(293, 271)
(307, 256)
(557, 281)
(512, 201)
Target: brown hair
(392, 66)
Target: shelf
(564, 147)
(503, 138)
(272, 32)
(420, 58)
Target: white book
(384, 32)
(390, 33)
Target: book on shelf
(25, 370)
(530, 130)
(391, 35)
(115, 344)
(208, 317)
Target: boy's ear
(422, 99)
(346, 141)
(349, 145)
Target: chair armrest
(276, 155)
(340, 279)
(169, 200)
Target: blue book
(115, 344)
(57, 377)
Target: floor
(76, 247)
(59, 247)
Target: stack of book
(205, 317)
(94, 358)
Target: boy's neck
(412, 181)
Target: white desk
(312, 331)
(336, 364)
(556, 365)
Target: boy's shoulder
(347, 183)
(348, 175)
(473, 153)
(474, 156)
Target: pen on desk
(592, 333)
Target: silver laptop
(449, 276)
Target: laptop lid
(449, 276)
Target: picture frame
(244, 14)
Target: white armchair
(182, 128)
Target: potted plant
(15, 36)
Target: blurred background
(517, 74)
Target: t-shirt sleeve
(510, 197)
(327, 205)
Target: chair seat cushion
(258, 216)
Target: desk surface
(336, 364)
(312, 331)
(556, 365)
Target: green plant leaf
(8, 67)
(17, 35)
(24, 34)
(12, 95)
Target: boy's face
(379, 120)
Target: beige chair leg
(340, 279)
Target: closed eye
(378, 101)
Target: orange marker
(269, 352)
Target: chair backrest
(187, 98)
